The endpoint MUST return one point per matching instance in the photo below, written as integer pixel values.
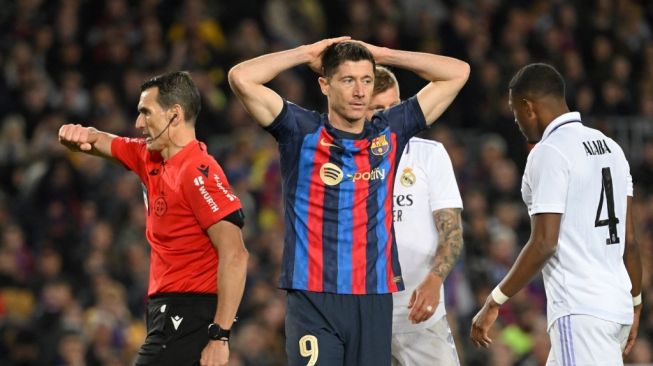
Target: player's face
(151, 120)
(383, 100)
(524, 117)
(349, 90)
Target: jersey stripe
(345, 224)
(390, 250)
(330, 228)
(300, 265)
(360, 221)
(316, 217)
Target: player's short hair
(176, 88)
(337, 53)
(538, 79)
(384, 79)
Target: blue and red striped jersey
(337, 191)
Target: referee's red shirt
(183, 196)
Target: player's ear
(176, 114)
(324, 85)
(529, 107)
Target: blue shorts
(325, 329)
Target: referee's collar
(559, 121)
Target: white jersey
(425, 183)
(579, 172)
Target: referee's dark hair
(537, 80)
(337, 53)
(176, 88)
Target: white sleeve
(443, 188)
(629, 180)
(549, 180)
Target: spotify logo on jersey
(331, 174)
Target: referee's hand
(216, 353)
(77, 137)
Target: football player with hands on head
(340, 263)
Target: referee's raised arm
(248, 78)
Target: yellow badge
(380, 145)
(331, 174)
(408, 178)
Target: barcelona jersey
(337, 191)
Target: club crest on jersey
(331, 174)
(160, 206)
(380, 145)
(408, 178)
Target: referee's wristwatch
(216, 333)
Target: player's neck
(340, 123)
(550, 113)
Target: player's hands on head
(377, 52)
(216, 353)
(482, 323)
(425, 299)
(77, 137)
(316, 50)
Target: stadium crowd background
(73, 258)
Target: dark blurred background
(73, 257)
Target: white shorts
(579, 340)
(429, 346)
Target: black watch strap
(216, 333)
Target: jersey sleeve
(549, 180)
(292, 123)
(443, 188)
(208, 193)
(130, 152)
(405, 119)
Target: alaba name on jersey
(337, 190)
(425, 183)
(183, 197)
(582, 174)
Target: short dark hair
(337, 53)
(384, 79)
(176, 88)
(538, 79)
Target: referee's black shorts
(324, 329)
(176, 329)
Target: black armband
(237, 218)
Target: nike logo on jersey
(176, 321)
(324, 142)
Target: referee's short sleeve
(549, 180)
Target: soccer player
(578, 191)
(193, 219)
(429, 236)
(340, 259)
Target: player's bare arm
(446, 76)
(248, 78)
(426, 296)
(232, 270)
(86, 139)
(633, 264)
(540, 247)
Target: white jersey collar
(559, 121)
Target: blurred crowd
(73, 257)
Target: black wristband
(216, 333)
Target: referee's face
(524, 117)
